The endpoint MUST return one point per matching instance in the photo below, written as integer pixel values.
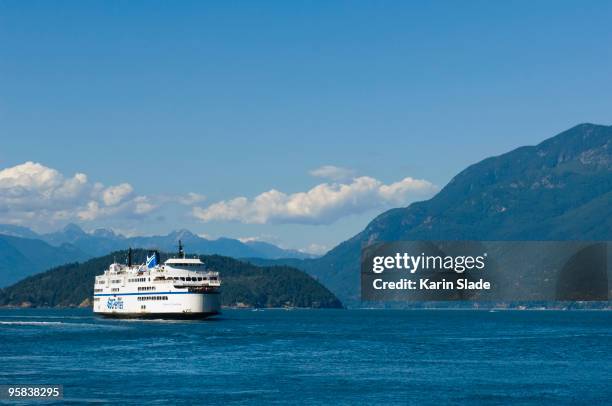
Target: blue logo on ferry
(114, 304)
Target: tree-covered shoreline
(243, 284)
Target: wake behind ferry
(179, 288)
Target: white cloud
(323, 204)
(32, 185)
(332, 172)
(138, 206)
(143, 205)
(34, 195)
(115, 194)
(90, 212)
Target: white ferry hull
(175, 305)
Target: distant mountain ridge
(24, 252)
(102, 241)
(20, 257)
(560, 189)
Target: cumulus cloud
(32, 185)
(323, 204)
(34, 194)
(332, 172)
(115, 194)
(135, 207)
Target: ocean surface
(334, 357)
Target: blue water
(315, 357)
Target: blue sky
(232, 100)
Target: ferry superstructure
(179, 288)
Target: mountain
(20, 257)
(24, 252)
(17, 231)
(103, 241)
(267, 250)
(560, 189)
(71, 284)
(93, 244)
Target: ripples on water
(314, 357)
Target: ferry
(180, 288)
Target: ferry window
(182, 278)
